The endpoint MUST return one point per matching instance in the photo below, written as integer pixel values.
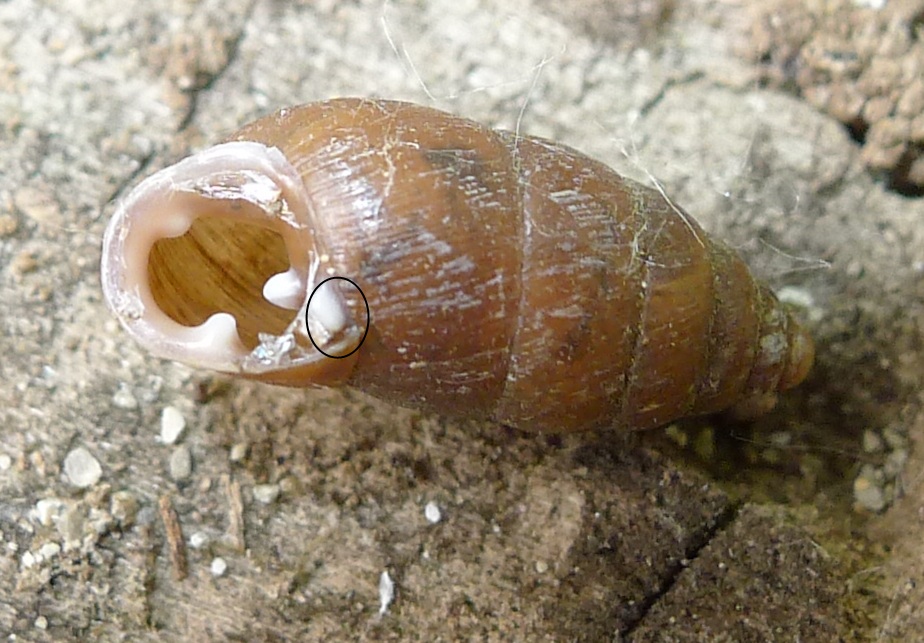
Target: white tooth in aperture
(325, 308)
(285, 289)
(216, 336)
(174, 223)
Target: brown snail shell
(506, 276)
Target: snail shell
(505, 276)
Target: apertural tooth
(216, 337)
(162, 210)
(325, 308)
(175, 223)
(286, 290)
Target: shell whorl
(507, 276)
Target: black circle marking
(368, 318)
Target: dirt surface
(861, 63)
(142, 501)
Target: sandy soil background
(275, 513)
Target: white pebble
(238, 452)
(172, 424)
(432, 513)
(5, 462)
(124, 399)
(181, 463)
(867, 489)
(218, 567)
(81, 468)
(47, 510)
(198, 540)
(266, 493)
(49, 550)
(895, 463)
(386, 592)
(41, 623)
(27, 560)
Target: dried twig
(235, 532)
(175, 542)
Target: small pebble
(124, 399)
(895, 463)
(432, 513)
(198, 540)
(181, 463)
(41, 623)
(47, 510)
(541, 567)
(5, 462)
(867, 490)
(238, 452)
(71, 523)
(872, 443)
(386, 592)
(218, 567)
(81, 468)
(172, 424)
(266, 493)
(124, 508)
(289, 486)
(49, 550)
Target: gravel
(172, 424)
(81, 468)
